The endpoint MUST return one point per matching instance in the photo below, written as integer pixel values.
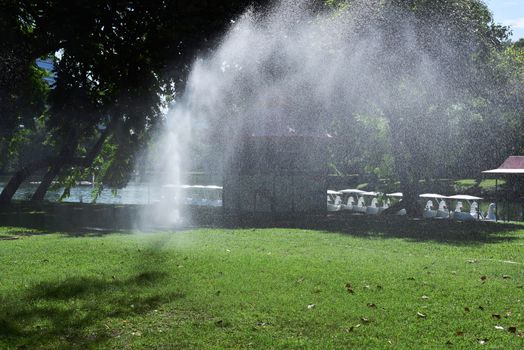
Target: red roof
(512, 165)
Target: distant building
(282, 174)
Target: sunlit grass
(260, 288)
(486, 184)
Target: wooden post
(496, 199)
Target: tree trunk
(56, 168)
(410, 198)
(406, 163)
(21, 175)
(46, 182)
(67, 152)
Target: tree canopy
(115, 64)
(118, 63)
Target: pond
(133, 193)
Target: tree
(433, 57)
(119, 62)
(22, 90)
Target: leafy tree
(22, 90)
(118, 62)
(462, 44)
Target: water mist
(289, 69)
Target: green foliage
(448, 126)
(116, 64)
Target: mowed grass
(259, 289)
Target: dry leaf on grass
(364, 320)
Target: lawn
(360, 284)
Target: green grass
(486, 184)
(250, 288)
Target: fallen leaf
(496, 316)
(424, 297)
(459, 333)
(421, 315)
(311, 306)
(512, 329)
(466, 309)
(482, 341)
(500, 328)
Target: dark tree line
(116, 63)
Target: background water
(135, 192)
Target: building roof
(512, 165)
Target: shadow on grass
(87, 220)
(441, 231)
(75, 312)
(70, 218)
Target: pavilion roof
(512, 165)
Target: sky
(510, 13)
